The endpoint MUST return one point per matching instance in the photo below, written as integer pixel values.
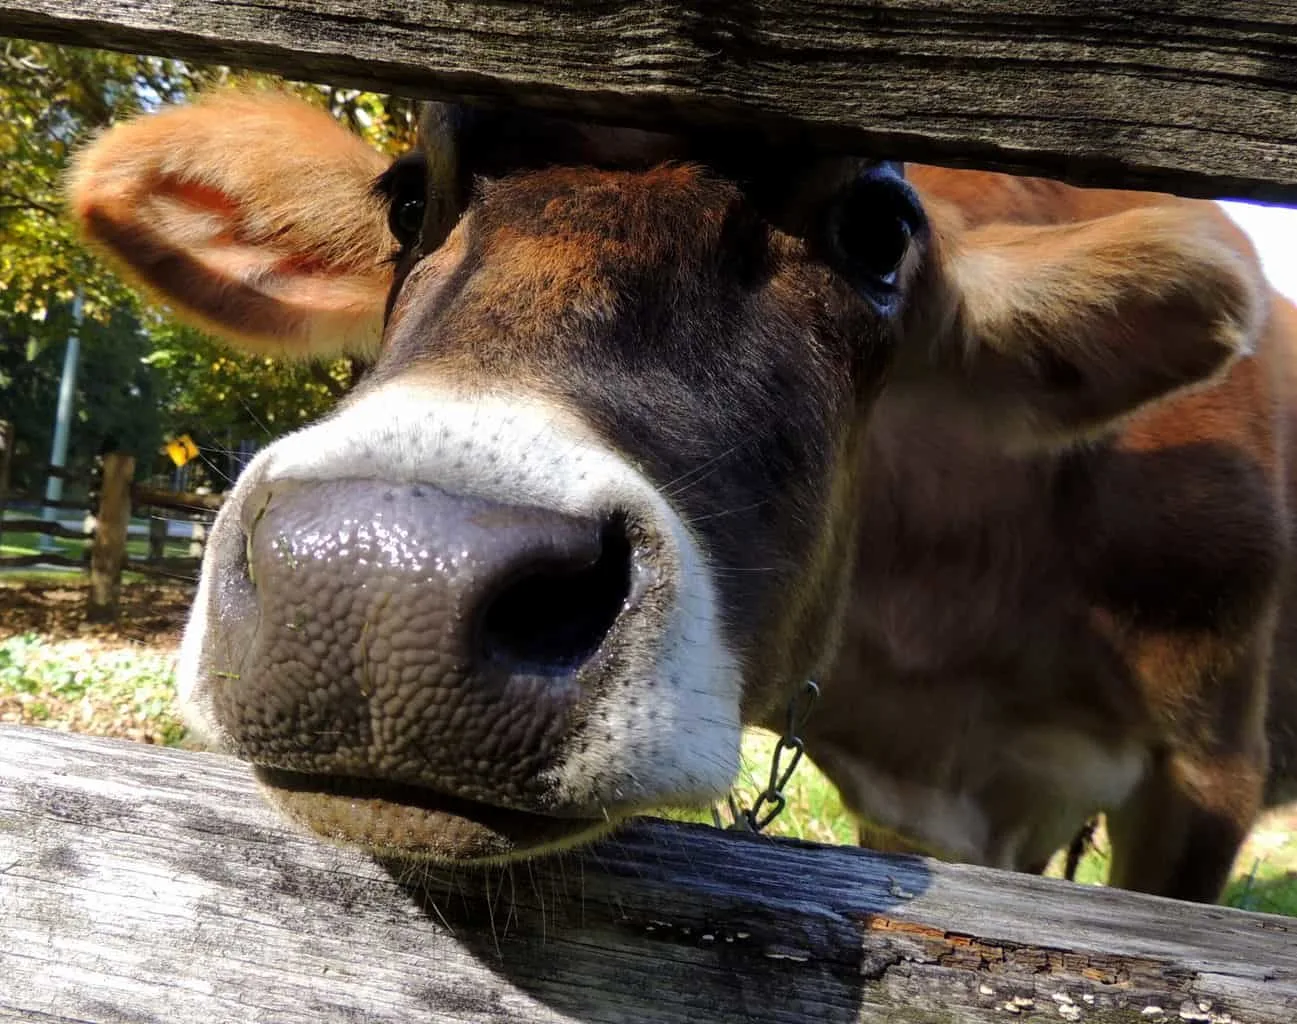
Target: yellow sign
(182, 449)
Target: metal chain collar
(771, 801)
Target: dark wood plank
(185, 501)
(1194, 96)
(174, 568)
(49, 558)
(49, 527)
(62, 472)
(72, 505)
(141, 884)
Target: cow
(661, 425)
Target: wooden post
(6, 456)
(108, 549)
(157, 537)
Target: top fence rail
(1189, 96)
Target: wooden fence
(44, 527)
(143, 884)
(139, 884)
(105, 534)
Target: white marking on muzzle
(524, 451)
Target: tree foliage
(143, 376)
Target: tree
(143, 375)
(51, 97)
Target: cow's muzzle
(406, 667)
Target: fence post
(6, 456)
(108, 548)
(157, 537)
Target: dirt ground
(153, 613)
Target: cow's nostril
(550, 617)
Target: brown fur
(1125, 591)
(1036, 573)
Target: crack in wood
(992, 957)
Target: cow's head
(592, 509)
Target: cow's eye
(870, 229)
(406, 220)
(405, 188)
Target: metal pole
(63, 420)
(6, 456)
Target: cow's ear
(1055, 333)
(252, 215)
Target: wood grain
(139, 884)
(1192, 96)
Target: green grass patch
(136, 546)
(814, 811)
(29, 544)
(85, 686)
(1271, 889)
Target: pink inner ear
(177, 217)
(213, 218)
(198, 214)
(306, 285)
(206, 197)
(190, 244)
(212, 225)
(202, 207)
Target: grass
(83, 686)
(1265, 875)
(28, 544)
(87, 685)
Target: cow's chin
(406, 822)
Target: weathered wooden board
(183, 501)
(1198, 96)
(139, 884)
